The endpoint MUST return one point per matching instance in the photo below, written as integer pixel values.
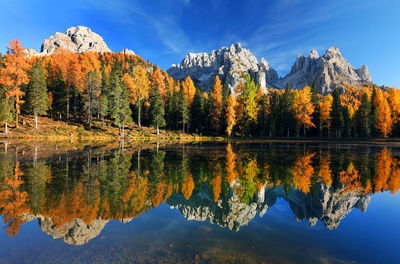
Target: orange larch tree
(216, 105)
(303, 109)
(157, 78)
(230, 114)
(14, 74)
(384, 124)
(326, 106)
(394, 101)
(189, 90)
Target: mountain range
(329, 71)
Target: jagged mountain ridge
(325, 204)
(228, 63)
(77, 39)
(232, 63)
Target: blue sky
(163, 32)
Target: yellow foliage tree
(189, 90)
(216, 105)
(230, 114)
(140, 88)
(326, 107)
(384, 124)
(303, 108)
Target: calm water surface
(201, 203)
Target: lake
(238, 202)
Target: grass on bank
(50, 129)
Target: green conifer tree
(316, 115)
(157, 110)
(37, 99)
(119, 111)
(197, 115)
(287, 114)
(58, 91)
(7, 109)
(183, 109)
(91, 95)
(337, 121)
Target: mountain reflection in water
(74, 195)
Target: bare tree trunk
(123, 129)
(6, 128)
(36, 121)
(67, 106)
(139, 114)
(158, 130)
(138, 161)
(16, 120)
(35, 154)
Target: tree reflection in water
(75, 194)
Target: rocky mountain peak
(314, 54)
(236, 47)
(128, 51)
(328, 71)
(230, 64)
(77, 39)
(332, 52)
(363, 73)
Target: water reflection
(73, 195)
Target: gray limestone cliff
(230, 64)
(329, 71)
(77, 39)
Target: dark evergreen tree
(37, 99)
(316, 115)
(119, 110)
(273, 118)
(346, 131)
(226, 91)
(59, 97)
(91, 95)
(363, 117)
(263, 116)
(183, 110)
(373, 117)
(337, 121)
(105, 94)
(287, 114)
(197, 115)
(7, 109)
(171, 110)
(157, 110)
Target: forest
(92, 88)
